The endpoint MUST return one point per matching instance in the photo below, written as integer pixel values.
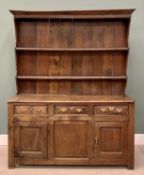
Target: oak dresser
(71, 107)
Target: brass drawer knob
(63, 109)
(103, 109)
(79, 110)
(111, 108)
(96, 140)
(71, 108)
(119, 110)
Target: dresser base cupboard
(71, 107)
(71, 131)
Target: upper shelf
(72, 77)
(72, 49)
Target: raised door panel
(70, 140)
(31, 140)
(111, 139)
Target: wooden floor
(73, 170)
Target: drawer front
(33, 109)
(110, 110)
(73, 109)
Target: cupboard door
(31, 139)
(70, 139)
(111, 139)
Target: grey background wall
(135, 86)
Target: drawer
(32, 109)
(61, 109)
(110, 110)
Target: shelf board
(72, 77)
(72, 49)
